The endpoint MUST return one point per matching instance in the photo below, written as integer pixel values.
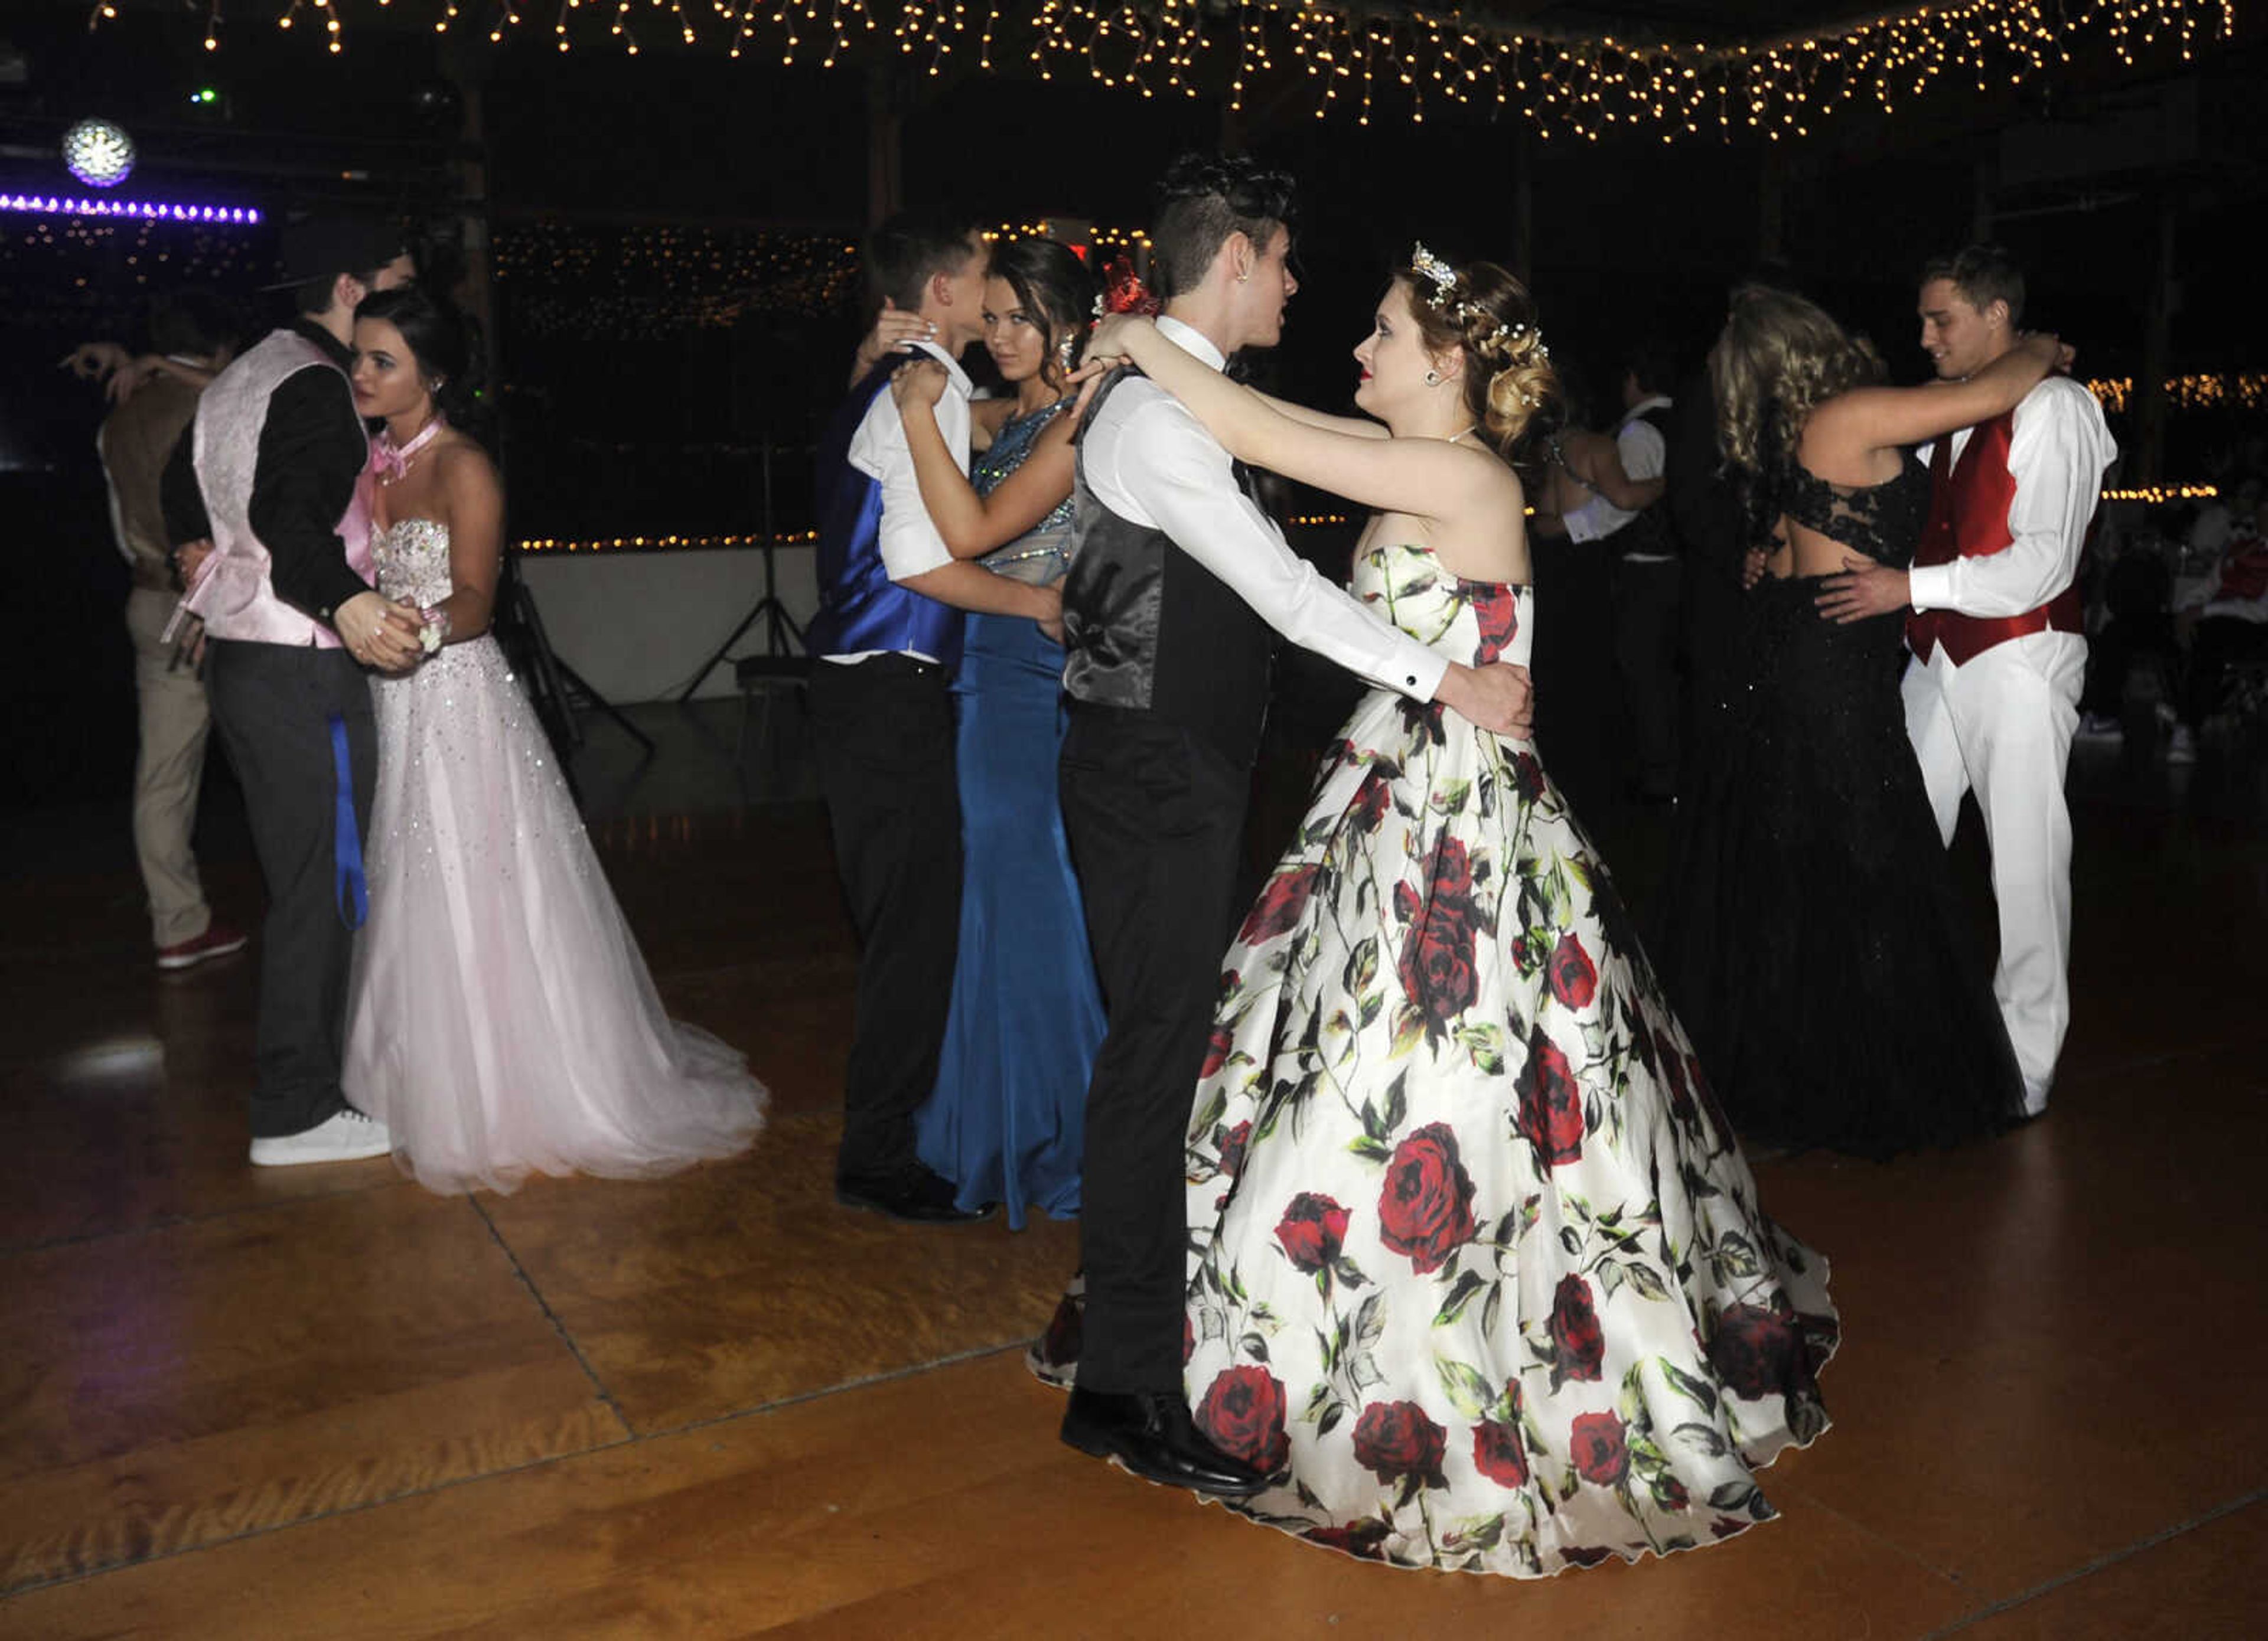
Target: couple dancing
(493, 1017)
(1408, 1224)
(1875, 1032)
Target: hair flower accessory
(1123, 291)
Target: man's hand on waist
(1499, 697)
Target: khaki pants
(168, 771)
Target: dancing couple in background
(1873, 1032)
(493, 1018)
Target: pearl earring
(1432, 378)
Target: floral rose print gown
(1476, 1267)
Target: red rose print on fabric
(1599, 1448)
(1754, 1352)
(1242, 1413)
(1372, 800)
(1312, 1232)
(1495, 607)
(1550, 1104)
(1573, 979)
(1232, 1150)
(1436, 967)
(1578, 1345)
(1218, 1049)
(1425, 1210)
(1396, 1442)
(1361, 1539)
(1281, 902)
(1499, 1454)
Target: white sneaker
(346, 1137)
(2181, 746)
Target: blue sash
(346, 838)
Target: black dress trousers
(883, 729)
(1155, 816)
(273, 704)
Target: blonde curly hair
(1510, 386)
(1778, 358)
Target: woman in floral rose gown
(1477, 1268)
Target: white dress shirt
(906, 536)
(1153, 464)
(2057, 450)
(910, 541)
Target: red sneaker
(217, 941)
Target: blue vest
(860, 608)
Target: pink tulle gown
(502, 1022)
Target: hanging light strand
(1361, 59)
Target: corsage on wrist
(435, 633)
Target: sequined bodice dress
(1811, 944)
(501, 1021)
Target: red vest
(1969, 518)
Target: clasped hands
(380, 633)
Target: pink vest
(234, 595)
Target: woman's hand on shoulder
(895, 331)
(918, 382)
(2059, 354)
(1114, 343)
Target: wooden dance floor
(320, 1402)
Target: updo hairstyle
(445, 343)
(1510, 387)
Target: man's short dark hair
(320, 244)
(1203, 199)
(912, 246)
(1650, 362)
(1984, 275)
(193, 323)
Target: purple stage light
(52, 205)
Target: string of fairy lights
(1356, 57)
(644, 282)
(2243, 390)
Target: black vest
(1652, 530)
(1149, 630)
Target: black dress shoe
(1150, 1433)
(918, 1198)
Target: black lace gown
(1811, 947)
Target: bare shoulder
(464, 468)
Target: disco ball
(99, 153)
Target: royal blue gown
(1005, 1121)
